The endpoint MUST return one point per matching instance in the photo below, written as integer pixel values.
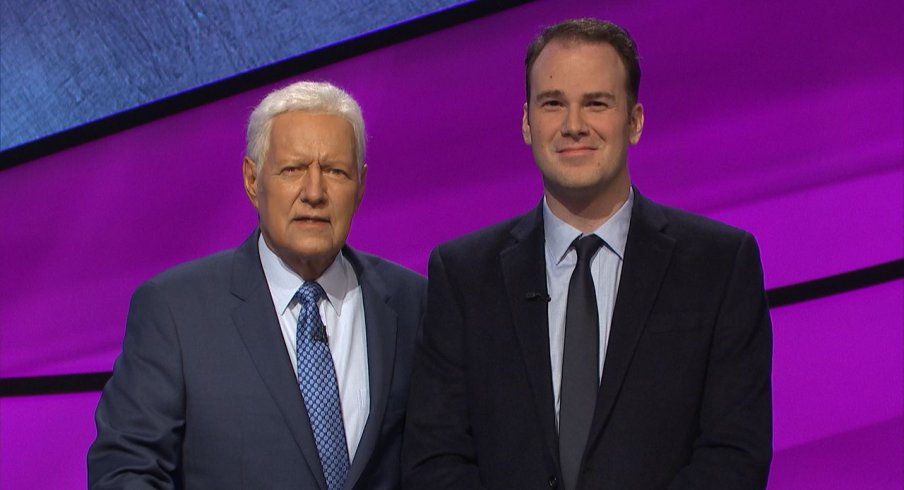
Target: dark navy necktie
(317, 380)
(580, 362)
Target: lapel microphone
(537, 296)
(320, 335)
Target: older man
(283, 363)
(600, 341)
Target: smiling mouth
(575, 150)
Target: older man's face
(307, 190)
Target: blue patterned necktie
(317, 380)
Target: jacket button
(553, 482)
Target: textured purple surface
(837, 364)
(863, 458)
(44, 441)
(785, 119)
(818, 231)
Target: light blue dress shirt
(342, 312)
(605, 267)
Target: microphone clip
(537, 296)
(320, 335)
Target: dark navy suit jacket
(685, 397)
(204, 396)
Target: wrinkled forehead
(312, 132)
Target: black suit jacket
(204, 396)
(685, 397)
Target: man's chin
(575, 188)
(315, 252)
(308, 251)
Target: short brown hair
(593, 31)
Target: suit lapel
(524, 270)
(258, 327)
(380, 323)
(647, 255)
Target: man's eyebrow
(555, 94)
(599, 95)
(549, 94)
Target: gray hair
(308, 97)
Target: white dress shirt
(342, 312)
(605, 267)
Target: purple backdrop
(785, 119)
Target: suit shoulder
(214, 268)
(488, 240)
(684, 224)
(705, 240)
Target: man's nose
(312, 185)
(574, 124)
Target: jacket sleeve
(438, 450)
(141, 414)
(734, 446)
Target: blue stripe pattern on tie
(317, 380)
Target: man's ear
(636, 123)
(362, 180)
(249, 176)
(525, 125)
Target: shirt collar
(336, 280)
(559, 234)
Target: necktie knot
(309, 317)
(586, 247)
(309, 292)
